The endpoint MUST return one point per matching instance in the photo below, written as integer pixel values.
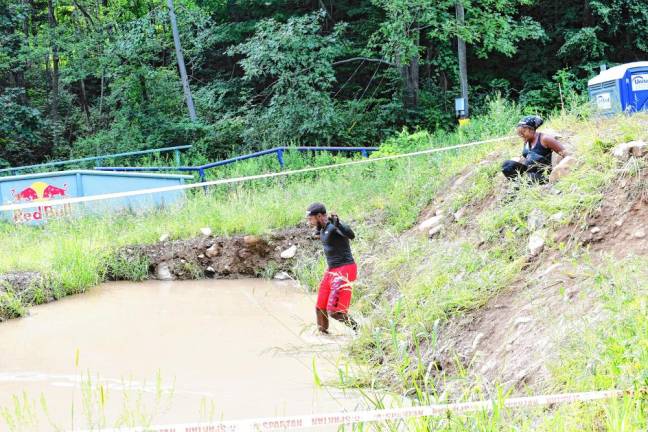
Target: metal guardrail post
(280, 157)
(201, 173)
(98, 162)
(364, 153)
(176, 154)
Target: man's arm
(343, 229)
(553, 144)
(346, 230)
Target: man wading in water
(334, 295)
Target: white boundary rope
(101, 197)
(353, 417)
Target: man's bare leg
(346, 319)
(322, 320)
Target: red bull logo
(40, 191)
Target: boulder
(282, 276)
(621, 152)
(536, 243)
(633, 148)
(434, 231)
(428, 224)
(206, 231)
(638, 148)
(563, 168)
(251, 240)
(535, 220)
(212, 251)
(459, 213)
(289, 253)
(557, 217)
(162, 272)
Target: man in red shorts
(335, 290)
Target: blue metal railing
(278, 151)
(97, 159)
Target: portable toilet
(623, 88)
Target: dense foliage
(84, 77)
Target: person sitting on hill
(535, 162)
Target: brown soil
(514, 337)
(225, 257)
(517, 334)
(18, 280)
(618, 227)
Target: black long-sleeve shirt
(337, 245)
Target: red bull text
(40, 191)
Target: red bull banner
(40, 191)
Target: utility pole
(461, 54)
(181, 62)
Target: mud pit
(224, 349)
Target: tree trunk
(55, 64)
(84, 103)
(142, 82)
(588, 17)
(101, 95)
(428, 61)
(410, 77)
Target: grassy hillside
(465, 315)
(471, 315)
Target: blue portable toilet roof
(95, 173)
(616, 72)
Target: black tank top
(538, 154)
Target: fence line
(98, 159)
(101, 197)
(278, 151)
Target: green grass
(80, 252)
(410, 286)
(10, 305)
(420, 284)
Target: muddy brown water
(167, 352)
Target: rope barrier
(354, 417)
(166, 189)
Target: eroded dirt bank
(223, 257)
(205, 256)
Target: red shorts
(335, 289)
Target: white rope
(101, 197)
(354, 417)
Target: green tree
(298, 61)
